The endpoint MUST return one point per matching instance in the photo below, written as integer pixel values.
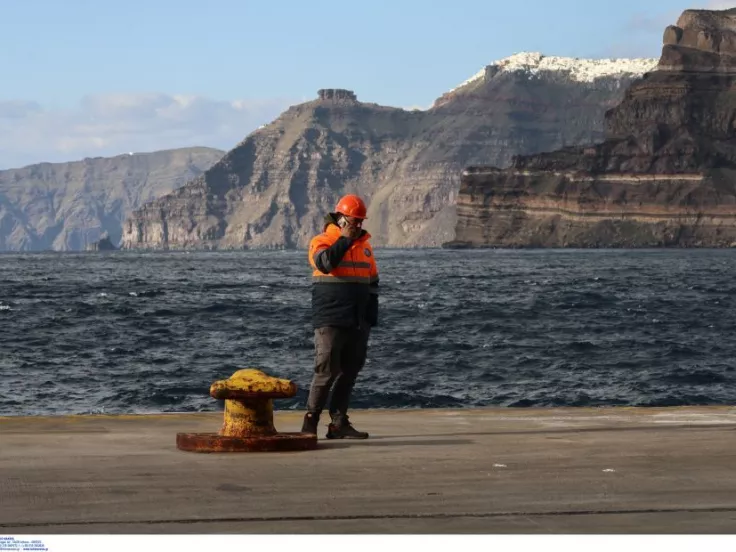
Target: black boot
(341, 428)
(311, 421)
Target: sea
(144, 332)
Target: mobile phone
(343, 222)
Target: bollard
(248, 424)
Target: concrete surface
(566, 470)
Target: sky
(87, 78)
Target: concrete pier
(566, 470)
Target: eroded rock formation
(70, 206)
(272, 190)
(664, 176)
(337, 94)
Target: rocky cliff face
(664, 176)
(69, 206)
(273, 189)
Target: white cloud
(110, 124)
(17, 109)
(418, 107)
(721, 4)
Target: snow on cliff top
(581, 70)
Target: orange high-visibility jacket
(345, 295)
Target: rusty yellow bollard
(248, 424)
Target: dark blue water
(130, 332)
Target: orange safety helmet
(351, 206)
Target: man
(344, 308)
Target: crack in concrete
(258, 519)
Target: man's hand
(350, 230)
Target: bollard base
(214, 442)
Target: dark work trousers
(339, 355)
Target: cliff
(665, 175)
(273, 188)
(67, 206)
